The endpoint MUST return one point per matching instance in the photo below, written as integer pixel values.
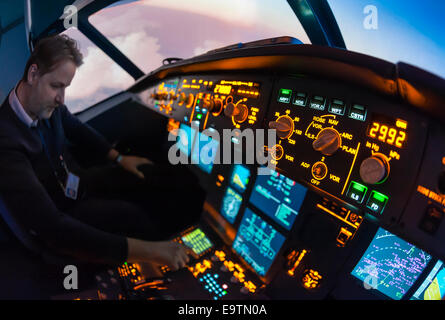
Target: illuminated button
(377, 202)
(318, 103)
(337, 107)
(300, 99)
(356, 191)
(357, 112)
(284, 95)
(319, 170)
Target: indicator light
(300, 99)
(357, 191)
(284, 95)
(377, 202)
(357, 112)
(318, 103)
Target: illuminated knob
(213, 105)
(188, 100)
(284, 126)
(217, 107)
(374, 169)
(238, 111)
(319, 170)
(327, 142)
(277, 152)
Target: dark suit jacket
(33, 195)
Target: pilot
(105, 215)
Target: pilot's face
(48, 90)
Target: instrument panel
(347, 167)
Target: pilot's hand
(131, 163)
(170, 253)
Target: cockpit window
(410, 31)
(98, 78)
(148, 31)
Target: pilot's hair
(49, 51)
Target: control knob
(284, 126)
(187, 99)
(238, 111)
(374, 169)
(328, 141)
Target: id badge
(72, 186)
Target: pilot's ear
(33, 73)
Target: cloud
(99, 72)
(242, 12)
(207, 46)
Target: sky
(148, 31)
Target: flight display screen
(240, 177)
(185, 139)
(279, 197)
(204, 152)
(231, 204)
(390, 265)
(197, 241)
(257, 242)
(433, 287)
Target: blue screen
(257, 242)
(240, 177)
(185, 138)
(279, 197)
(390, 265)
(204, 152)
(231, 204)
(433, 287)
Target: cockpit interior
(323, 160)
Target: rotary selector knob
(217, 106)
(374, 169)
(327, 142)
(238, 111)
(284, 126)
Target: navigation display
(231, 205)
(185, 139)
(204, 152)
(257, 242)
(390, 265)
(279, 197)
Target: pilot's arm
(84, 135)
(33, 209)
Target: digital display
(185, 138)
(240, 177)
(231, 204)
(433, 287)
(204, 152)
(257, 242)
(197, 241)
(279, 197)
(223, 89)
(390, 265)
(388, 130)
